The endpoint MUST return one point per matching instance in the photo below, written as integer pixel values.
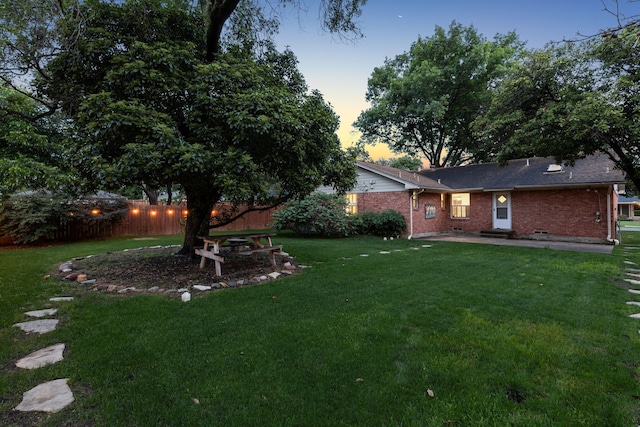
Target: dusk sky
(340, 69)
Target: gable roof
(410, 180)
(537, 172)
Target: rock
(216, 286)
(274, 275)
(72, 276)
(58, 299)
(633, 282)
(634, 291)
(635, 316)
(40, 358)
(287, 272)
(81, 278)
(385, 252)
(181, 290)
(88, 282)
(263, 278)
(202, 288)
(186, 297)
(240, 282)
(66, 266)
(103, 287)
(52, 397)
(39, 326)
(633, 302)
(153, 289)
(112, 288)
(42, 313)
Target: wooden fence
(143, 219)
(147, 220)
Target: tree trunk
(199, 207)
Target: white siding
(369, 182)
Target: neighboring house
(627, 206)
(528, 198)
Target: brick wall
(535, 214)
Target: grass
(500, 335)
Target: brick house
(528, 198)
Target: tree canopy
(31, 150)
(152, 98)
(424, 100)
(570, 102)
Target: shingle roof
(527, 173)
(408, 178)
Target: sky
(340, 69)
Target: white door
(502, 210)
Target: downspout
(609, 238)
(411, 196)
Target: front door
(502, 210)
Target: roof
(537, 172)
(532, 173)
(411, 180)
(623, 200)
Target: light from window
(352, 204)
(460, 205)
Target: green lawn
(500, 335)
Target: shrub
(387, 223)
(317, 214)
(33, 217)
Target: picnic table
(243, 244)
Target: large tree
(153, 100)
(31, 151)
(571, 101)
(424, 100)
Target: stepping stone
(634, 291)
(630, 263)
(364, 254)
(426, 246)
(633, 275)
(42, 313)
(633, 303)
(39, 326)
(57, 299)
(40, 358)
(635, 316)
(52, 397)
(385, 252)
(633, 282)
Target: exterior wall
(569, 213)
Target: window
(460, 205)
(352, 204)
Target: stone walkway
(52, 396)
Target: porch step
(498, 233)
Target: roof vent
(553, 168)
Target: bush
(33, 217)
(388, 223)
(318, 214)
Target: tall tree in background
(424, 101)
(571, 101)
